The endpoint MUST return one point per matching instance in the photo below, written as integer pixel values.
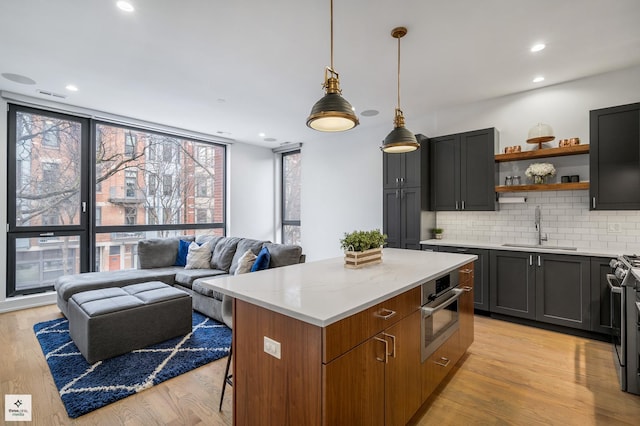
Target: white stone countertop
(532, 248)
(324, 292)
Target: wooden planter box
(358, 259)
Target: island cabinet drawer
(439, 364)
(341, 336)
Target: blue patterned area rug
(84, 387)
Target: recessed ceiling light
(369, 112)
(538, 79)
(538, 47)
(270, 139)
(262, 135)
(125, 5)
(17, 78)
(71, 87)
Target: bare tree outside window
(291, 171)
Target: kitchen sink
(536, 246)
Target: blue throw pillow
(262, 261)
(183, 250)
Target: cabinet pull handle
(386, 350)
(466, 288)
(466, 271)
(530, 260)
(462, 204)
(456, 205)
(397, 193)
(462, 250)
(444, 361)
(384, 313)
(402, 193)
(393, 340)
(539, 262)
(401, 181)
(397, 180)
(593, 202)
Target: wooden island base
(364, 369)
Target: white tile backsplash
(566, 220)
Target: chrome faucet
(538, 227)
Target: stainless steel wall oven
(439, 312)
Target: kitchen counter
(538, 249)
(323, 292)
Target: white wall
(341, 188)
(251, 194)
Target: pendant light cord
(331, 9)
(398, 72)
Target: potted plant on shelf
(362, 248)
(437, 233)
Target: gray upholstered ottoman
(113, 321)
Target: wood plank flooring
(511, 375)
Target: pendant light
(400, 139)
(332, 113)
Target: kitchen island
(318, 343)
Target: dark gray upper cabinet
(403, 170)
(614, 158)
(463, 171)
(405, 189)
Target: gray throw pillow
(159, 252)
(283, 255)
(223, 253)
(243, 245)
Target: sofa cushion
(159, 252)
(262, 261)
(68, 285)
(199, 256)
(197, 287)
(243, 245)
(188, 276)
(183, 250)
(283, 255)
(223, 253)
(211, 239)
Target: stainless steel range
(625, 320)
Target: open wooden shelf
(543, 153)
(545, 187)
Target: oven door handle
(427, 311)
(613, 288)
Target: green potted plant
(437, 233)
(362, 247)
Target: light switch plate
(272, 347)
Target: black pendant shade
(332, 113)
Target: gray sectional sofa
(157, 258)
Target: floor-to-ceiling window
(291, 169)
(82, 193)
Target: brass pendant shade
(332, 113)
(400, 139)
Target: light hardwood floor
(512, 374)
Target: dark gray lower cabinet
(600, 295)
(549, 288)
(480, 274)
(563, 290)
(512, 284)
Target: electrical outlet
(272, 347)
(614, 228)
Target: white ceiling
(242, 67)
